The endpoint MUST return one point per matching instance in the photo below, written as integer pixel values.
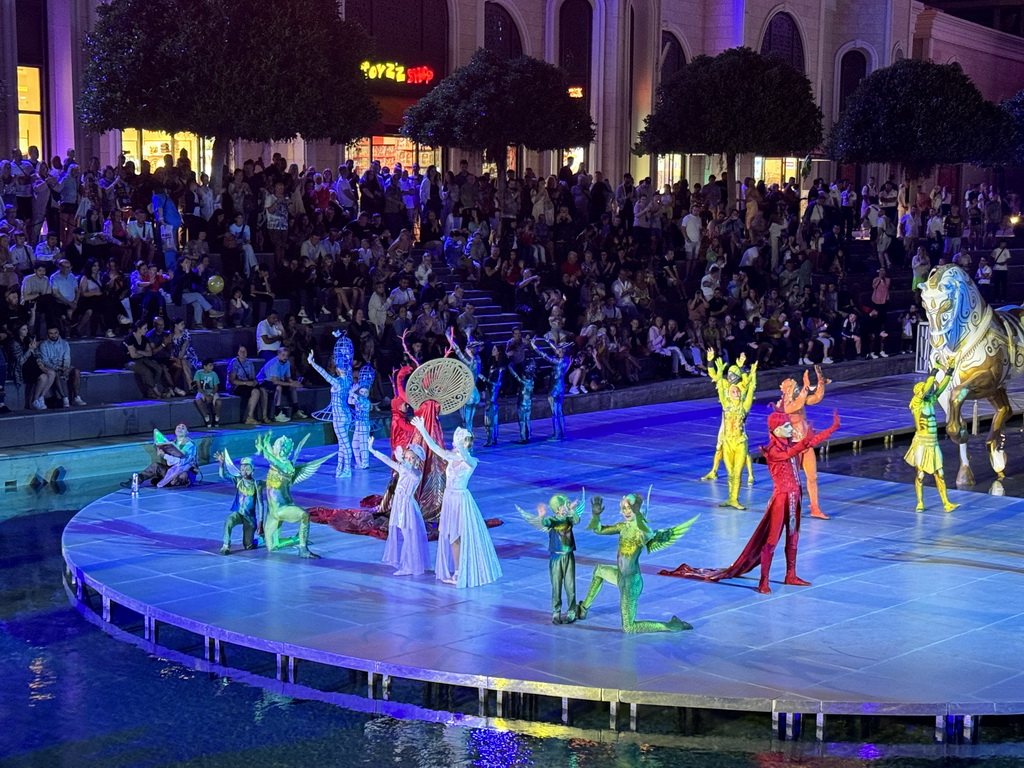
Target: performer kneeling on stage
(783, 511)
(249, 505)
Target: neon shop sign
(398, 73)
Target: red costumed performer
(781, 455)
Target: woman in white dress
(465, 553)
(406, 547)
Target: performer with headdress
(635, 535)
(526, 384)
(465, 552)
(725, 378)
(338, 411)
(432, 485)
(564, 514)
(248, 507)
(492, 390)
(782, 456)
(359, 398)
(406, 547)
(792, 403)
(285, 472)
(471, 359)
(736, 394)
(924, 454)
(556, 397)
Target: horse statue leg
(1003, 411)
(956, 428)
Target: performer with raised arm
(924, 453)
(556, 397)
(282, 475)
(249, 505)
(564, 514)
(782, 455)
(635, 535)
(406, 547)
(723, 378)
(338, 412)
(792, 403)
(526, 384)
(471, 359)
(736, 400)
(495, 374)
(465, 552)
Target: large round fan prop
(445, 381)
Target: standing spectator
(69, 186)
(276, 377)
(56, 371)
(275, 207)
(1000, 269)
(880, 293)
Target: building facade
(615, 51)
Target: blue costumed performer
(526, 384)
(338, 412)
(560, 366)
(471, 359)
(495, 374)
(249, 505)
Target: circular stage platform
(909, 614)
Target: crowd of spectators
(640, 282)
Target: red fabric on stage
(363, 521)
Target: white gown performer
(465, 552)
(406, 547)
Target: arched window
(782, 38)
(575, 29)
(853, 67)
(500, 32)
(672, 56)
(897, 54)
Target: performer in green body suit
(924, 453)
(284, 472)
(249, 506)
(635, 535)
(561, 551)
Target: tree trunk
(218, 162)
(730, 166)
(501, 161)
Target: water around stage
(70, 695)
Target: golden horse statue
(985, 347)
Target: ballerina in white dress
(465, 553)
(406, 547)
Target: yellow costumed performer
(924, 453)
(724, 381)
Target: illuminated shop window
(30, 108)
